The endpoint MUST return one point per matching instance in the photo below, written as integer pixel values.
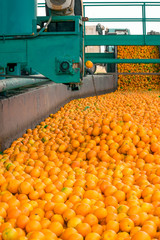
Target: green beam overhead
(117, 61)
(120, 4)
(122, 40)
(123, 19)
(99, 55)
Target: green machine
(51, 45)
(54, 45)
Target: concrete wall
(25, 110)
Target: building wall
(91, 30)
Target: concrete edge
(27, 109)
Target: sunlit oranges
(89, 172)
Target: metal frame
(42, 52)
(121, 40)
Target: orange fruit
(93, 235)
(56, 228)
(126, 225)
(33, 225)
(83, 229)
(22, 221)
(112, 225)
(25, 188)
(141, 235)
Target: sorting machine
(51, 45)
(54, 45)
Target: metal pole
(13, 83)
(144, 22)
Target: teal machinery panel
(57, 53)
(21, 17)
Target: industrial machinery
(54, 45)
(112, 50)
(111, 67)
(51, 45)
(119, 38)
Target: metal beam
(124, 19)
(121, 40)
(13, 83)
(118, 61)
(92, 56)
(87, 4)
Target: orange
(9, 233)
(25, 188)
(75, 236)
(112, 225)
(68, 214)
(13, 186)
(56, 228)
(100, 212)
(93, 235)
(109, 234)
(22, 221)
(126, 225)
(67, 233)
(82, 209)
(83, 229)
(141, 235)
(73, 222)
(91, 219)
(150, 229)
(89, 64)
(59, 208)
(33, 225)
(57, 218)
(36, 235)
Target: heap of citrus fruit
(139, 81)
(89, 172)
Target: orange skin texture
(91, 170)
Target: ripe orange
(22, 221)
(141, 235)
(83, 229)
(56, 228)
(126, 225)
(33, 225)
(93, 235)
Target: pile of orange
(132, 82)
(89, 172)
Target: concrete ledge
(25, 110)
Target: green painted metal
(122, 40)
(42, 52)
(93, 56)
(123, 20)
(110, 60)
(17, 17)
(86, 4)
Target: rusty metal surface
(22, 111)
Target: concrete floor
(25, 108)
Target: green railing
(121, 40)
(115, 40)
(40, 5)
(143, 5)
